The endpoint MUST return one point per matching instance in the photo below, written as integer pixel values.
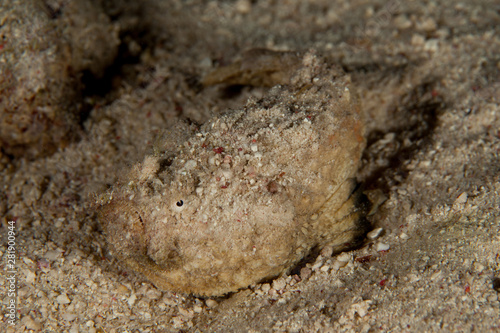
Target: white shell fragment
(375, 233)
(382, 247)
(252, 199)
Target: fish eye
(179, 203)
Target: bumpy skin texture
(250, 194)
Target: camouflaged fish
(253, 191)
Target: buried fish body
(250, 193)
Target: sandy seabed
(428, 74)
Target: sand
(428, 74)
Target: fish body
(248, 195)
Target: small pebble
(462, 199)
(382, 247)
(316, 265)
(265, 287)
(436, 275)
(305, 273)
(210, 303)
(279, 284)
(30, 276)
(375, 233)
(131, 300)
(63, 299)
(26, 260)
(344, 257)
(339, 264)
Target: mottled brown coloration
(280, 186)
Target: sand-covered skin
(427, 74)
(251, 193)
